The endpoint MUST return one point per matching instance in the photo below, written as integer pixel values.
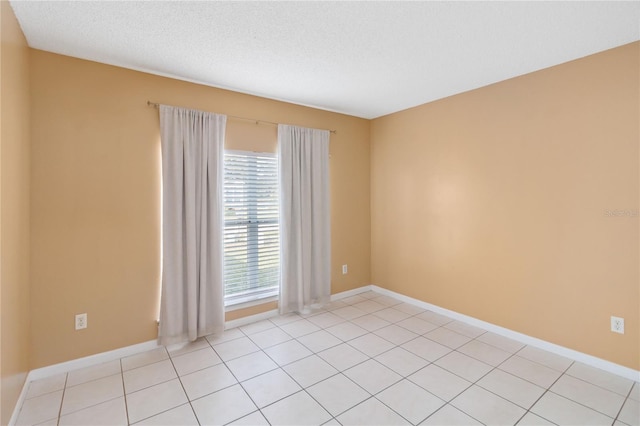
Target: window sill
(249, 301)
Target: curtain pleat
(305, 224)
(192, 301)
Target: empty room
(310, 213)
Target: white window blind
(251, 236)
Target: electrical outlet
(81, 321)
(345, 269)
(617, 325)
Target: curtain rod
(157, 105)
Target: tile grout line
(623, 404)
(124, 393)
(64, 389)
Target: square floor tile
(352, 300)
(337, 394)
(370, 322)
(297, 409)
(589, 395)
(408, 308)
(287, 352)
(349, 312)
(531, 419)
(369, 306)
(281, 320)
(434, 318)
(450, 416)
(47, 385)
(149, 375)
(630, 413)
(563, 411)
(372, 376)
(417, 325)
(226, 336)
(40, 408)
(223, 406)
(371, 345)
(270, 387)
(386, 300)
(310, 370)
(186, 347)
(268, 338)
(235, 348)
(154, 400)
(410, 401)
(91, 393)
(343, 356)
(604, 379)
(300, 328)
(501, 342)
(371, 412)
(484, 352)
(251, 365)
(209, 380)
(427, 349)
(254, 419)
(196, 360)
(144, 358)
(512, 388)
(401, 361)
(545, 358)
(465, 329)
(447, 337)
(369, 294)
(395, 334)
(487, 407)
(179, 416)
(319, 341)
(326, 319)
(112, 412)
(336, 304)
(439, 382)
(346, 331)
(94, 372)
(531, 371)
(256, 327)
(392, 315)
(464, 366)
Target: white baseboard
(349, 293)
(251, 318)
(75, 364)
(590, 360)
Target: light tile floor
(364, 360)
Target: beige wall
(14, 210)
(492, 203)
(96, 197)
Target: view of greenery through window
(251, 236)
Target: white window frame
(258, 296)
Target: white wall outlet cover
(81, 321)
(617, 325)
(345, 269)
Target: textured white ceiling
(365, 59)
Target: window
(251, 235)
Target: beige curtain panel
(192, 301)
(305, 224)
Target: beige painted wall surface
(14, 210)
(96, 197)
(493, 203)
